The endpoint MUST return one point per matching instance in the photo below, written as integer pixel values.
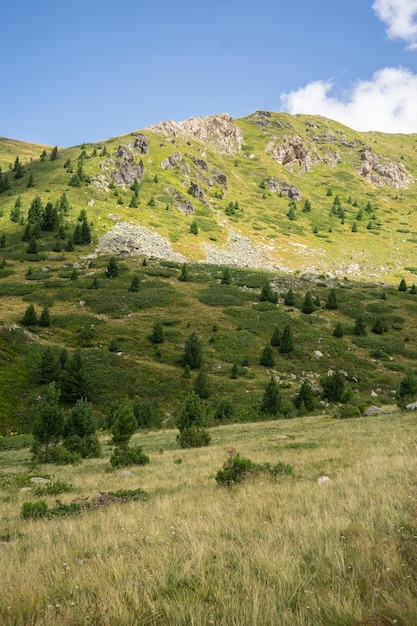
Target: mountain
(270, 190)
(284, 203)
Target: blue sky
(87, 70)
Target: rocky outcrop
(382, 171)
(195, 191)
(182, 203)
(260, 118)
(203, 165)
(171, 161)
(126, 170)
(126, 239)
(218, 131)
(218, 177)
(276, 186)
(291, 151)
(141, 143)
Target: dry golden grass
(267, 552)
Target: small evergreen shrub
(124, 456)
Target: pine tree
(267, 294)
(30, 318)
(191, 423)
(403, 285)
(287, 343)
(331, 302)
(276, 337)
(193, 351)
(80, 430)
(134, 285)
(360, 326)
(45, 318)
(158, 335)
(124, 425)
(379, 327)
(112, 270)
(226, 277)
(235, 371)
(85, 232)
(267, 357)
(49, 366)
(338, 330)
(201, 386)
(49, 422)
(308, 305)
(31, 181)
(194, 228)
(272, 398)
(333, 386)
(134, 202)
(54, 153)
(289, 299)
(36, 210)
(407, 389)
(77, 235)
(305, 397)
(74, 380)
(184, 277)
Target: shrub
(125, 456)
(53, 489)
(225, 410)
(235, 470)
(34, 510)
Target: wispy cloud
(385, 103)
(400, 16)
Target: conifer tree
(30, 318)
(287, 343)
(267, 357)
(360, 326)
(338, 330)
(191, 422)
(331, 302)
(112, 270)
(308, 305)
(193, 351)
(272, 398)
(74, 380)
(184, 277)
(49, 423)
(403, 285)
(134, 285)
(289, 299)
(79, 431)
(45, 318)
(276, 337)
(201, 386)
(226, 277)
(158, 335)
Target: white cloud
(385, 103)
(400, 16)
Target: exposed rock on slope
(127, 170)
(141, 143)
(276, 186)
(171, 161)
(217, 131)
(291, 151)
(129, 240)
(381, 171)
(239, 252)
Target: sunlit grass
(269, 551)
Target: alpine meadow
(208, 351)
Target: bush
(125, 456)
(193, 437)
(34, 510)
(53, 489)
(235, 470)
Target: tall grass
(285, 551)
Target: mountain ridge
(198, 169)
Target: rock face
(129, 240)
(171, 161)
(127, 170)
(291, 151)
(217, 131)
(381, 171)
(276, 186)
(218, 177)
(203, 165)
(195, 191)
(141, 144)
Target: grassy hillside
(314, 252)
(284, 550)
